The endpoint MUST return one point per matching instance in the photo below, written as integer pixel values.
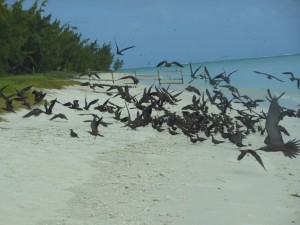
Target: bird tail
(292, 148)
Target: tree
(29, 40)
(118, 64)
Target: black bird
(119, 52)
(169, 64)
(89, 74)
(38, 96)
(48, 110)
(172, 132)
(215, 141)
(133, 78)
(197, 138)
(23, 91)
(59, 115)
(193, 89)
(224, 77)
(73, 134)
(94, 126)
(269, 76)
(74, 105)
(9, 106)
(193, 73)
(212, 81)
(88, 105)
(34, 112)
(275, 142)
(293, 78)
(254, 154)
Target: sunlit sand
(136, 176)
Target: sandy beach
(141, 176)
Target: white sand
(136, 177)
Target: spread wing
(257, 157)
(134, 79)
(177, 64)
(161, 63)
(124, 49)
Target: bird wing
(134, 79)
(25, 89)
(197, 69)
(161, 63)
(277, 79)
(207, 73)
(177, 64)
(96, 75)
(242, 154)
(52, 104)
(272, 121)
(289, 73)
(231, 73)
(257, 157)
(124, 49)
(261, 73)
(92, 102)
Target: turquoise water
(245, 79)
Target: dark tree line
(33, 42)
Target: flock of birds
(196, 120)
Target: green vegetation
(33, 42)
(38, 81)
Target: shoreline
(136, 176)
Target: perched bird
(73, 134)
(269, 76)
(254, 154)
(275, 142)
(169, 64)
(119, 52)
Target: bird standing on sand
(73, 134)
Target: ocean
(245, 79)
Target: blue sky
(185, 31)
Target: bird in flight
(133, 78)
(269, 76)
(274, 139)
(293, 78)
(254, 154)
(119, 52)
(169, 64)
